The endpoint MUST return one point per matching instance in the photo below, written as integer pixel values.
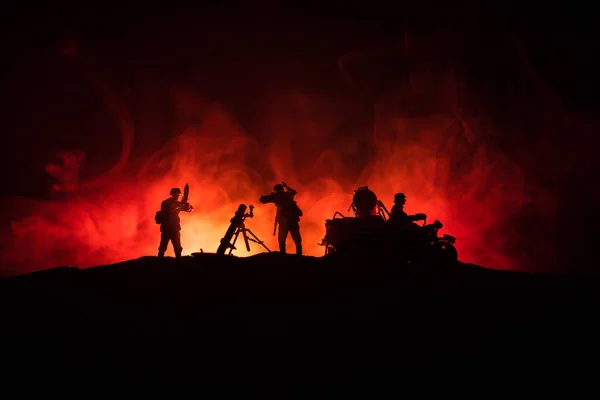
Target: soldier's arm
(266, 199)
(417, 217)
(179, 206)
(289, 189)
(187, 207)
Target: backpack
(158, 217)
(293, 211)
(297, 209)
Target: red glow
(111, 219)
(117, 224)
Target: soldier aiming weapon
(287, 217)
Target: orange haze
(113, 220)
(118, 224)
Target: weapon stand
(241, 228)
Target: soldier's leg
(282, 235)
(164, 242)
(176, 240)
(295, 232)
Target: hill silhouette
(291, 319)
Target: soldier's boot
(177, 250)
(161, 254)
(282, 248)
(299, 249)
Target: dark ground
(271, 319)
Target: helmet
(175, 191)
(278, 187)
(399, 197)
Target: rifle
(184, 200)
(186, 194)
(159, 216)
(276, 222)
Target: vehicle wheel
(444, 252)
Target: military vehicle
(371, 231)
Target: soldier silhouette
(399, 216)
(170, 226)
(288, 215)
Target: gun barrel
(237, 219)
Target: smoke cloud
(448, 158)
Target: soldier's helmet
(278, 187)
(399, 197)
(175, 191)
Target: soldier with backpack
(168, 218)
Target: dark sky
(549, 29)
(562, 43)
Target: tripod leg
(257, 240)
(246, 240)
(235, 237)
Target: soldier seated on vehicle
(399, 217)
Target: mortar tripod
(241, 228)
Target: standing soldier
(168, 218)
(288, 215)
